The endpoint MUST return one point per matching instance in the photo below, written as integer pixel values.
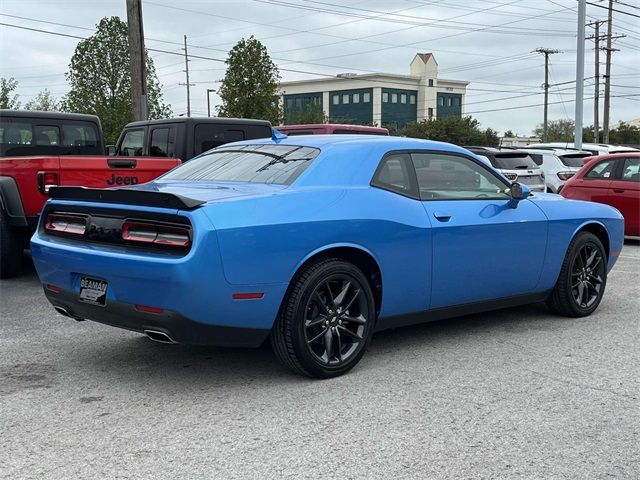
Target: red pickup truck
(39, 150)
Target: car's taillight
(565, 175)
(46, 180)
(511, 176)
(156, 233)
(64, 223)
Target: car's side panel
(483, 249)
(286, 229)
(566, 218)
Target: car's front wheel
(582, 278)
(326, 319)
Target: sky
(490, 43)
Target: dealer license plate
(93, 291)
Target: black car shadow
(137, 359)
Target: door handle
(618, 190)
(442, 216)
(118, 163)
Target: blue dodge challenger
(315, 242)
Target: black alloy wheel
(586, 275)
(326, 320)
(336, 319)
(582, 279)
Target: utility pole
(582, 16)
(546, 52)
(596, 95)
(209, 90)
(189, 85)
(137, 60)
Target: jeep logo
(122, 180)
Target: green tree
(456, 130)
(312, 113)
(7, 98)
(101, 81)
(509, 134)
(250, 85)
(44, 101)
(557, 131)
(624, 134)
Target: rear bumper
(178, 327)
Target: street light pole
(209, 90)
(582, 15)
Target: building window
(289, 103)
(403, 98)
(394, 98)
(298, 103)
(345, 99)
(457, 101)
(449, 102)
(366, 97)
(336, 99)
(356, 98)
(412, 99)
(430, 112)
(431, 82)
(441, 101)
(385, 97)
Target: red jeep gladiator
(39, 150)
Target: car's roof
(216, 120)
(49, 115)
(617, 155)
(383, 141)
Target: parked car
(39, 150)
(611, 179)
(315, 242)
(331, 128)
(514, 164)
(558, 164)
(593, 148)
(185, 137)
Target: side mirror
(111, 150)
(518, 192)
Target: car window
(631, 169)
(573, 159)
(212, 135)
(602, 170)
(46, 135)
(79, 136)
(513, 161)
(279, 164)
(163, 142)
(394, 173)
(537, 158)
(132, 143)
(443, 176)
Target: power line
(614, 10)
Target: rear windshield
(27, 136)
(512, 161)
(279, 164)
(573, 159)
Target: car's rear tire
(326, 319)
(582, 278)
(11, 248)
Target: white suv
(558, 164)
(593, 148)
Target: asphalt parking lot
(511, 394)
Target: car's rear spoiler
(147, 198)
